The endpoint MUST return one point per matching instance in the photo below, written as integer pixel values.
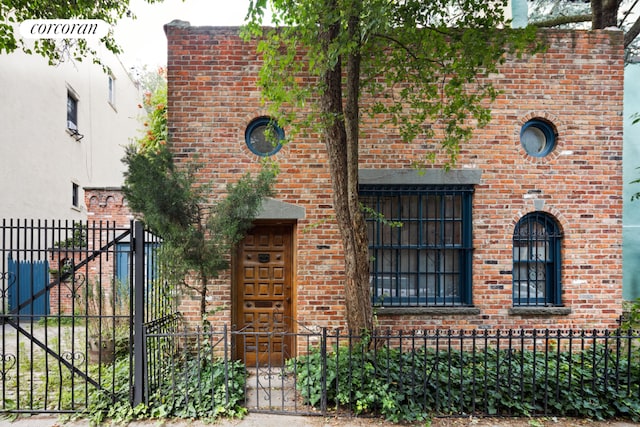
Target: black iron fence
(67, 312)
(405, 376)
(507, 373)
(85, 315)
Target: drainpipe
(520, 13)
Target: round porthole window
(263, 136)
(537, 138)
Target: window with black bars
(536, 261)
(420, 244)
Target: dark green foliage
(631, 317)
(165, 195)
(192, 388)
(413, 385)
(201, 388)
(101, 404)
(77, 240)
(174, 206)
(232, 216)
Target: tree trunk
(203, 294)
(341, 140)
(604, 13)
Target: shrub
(192, 388)
(596, 382)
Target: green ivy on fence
(193, 388)
(595, 382)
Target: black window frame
(546, 129)
(536, 251)
(72, 111)
(427, 281)
(75, 195)
(111, 90)
(260, 126)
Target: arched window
(536, 261)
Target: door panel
(263, 282)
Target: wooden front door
(263, 296)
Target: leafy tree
(416, 62)
(13, 12)
(197, 236)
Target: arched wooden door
(263, 296)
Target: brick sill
(540, 311)
(426, 311)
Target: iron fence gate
(67, 307)
(395, 374)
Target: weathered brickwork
(107, 212)
(577, 84)
(107, 204)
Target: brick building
(525, 230)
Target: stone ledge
(540, 311)
(426, 311)
(419, 177)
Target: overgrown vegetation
(194, 384)
(198, 228)
(193, 387)
(78, 237)
(631, 316)
(598, 382)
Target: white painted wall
(631, 163)
(39, 159)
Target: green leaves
(423, 64)
(198, 388)
(16, 11)
(194, 387)
(411, 385)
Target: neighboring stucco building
(631, 157)
(523, 232)
(63, 128)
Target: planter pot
(101, 350)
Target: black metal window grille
(536, 261)
(420, 243)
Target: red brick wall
(577, 84)
(107, 204)
(108, 217)
(62, 294)
(106, 209)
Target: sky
(143, 38)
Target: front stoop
(273, 390)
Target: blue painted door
(28, 295)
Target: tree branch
(406, 48)
(632, 33)
(562, 20)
